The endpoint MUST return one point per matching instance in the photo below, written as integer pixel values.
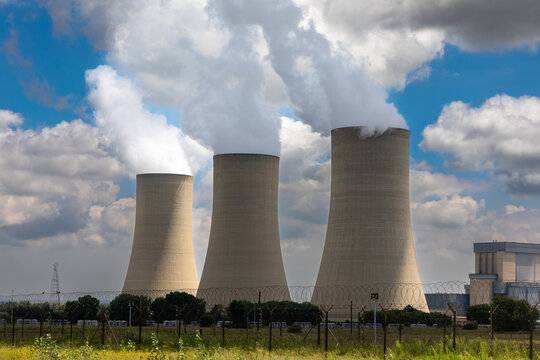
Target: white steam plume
(144, 142)
(325, 88)
(182, 58)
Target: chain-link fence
(349, 319)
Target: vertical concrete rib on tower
(162, 258)
(369, 246)
(244, 252)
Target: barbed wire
(436, 294)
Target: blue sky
(67, 60)
(58, 61)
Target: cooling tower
(162, 258)
(244, 253)
(369, 246)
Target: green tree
(237, 311)
(290, 311)
(87, 308)
(439, 319)
(478, 313)
(511, 315)
(192, 307)
(71, 310)
(119, 308)
(159, 309)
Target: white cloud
(304, 198)
(424, 183)
(395, 38)
(181, 56)
(447, 219)
(9, 118)
(447, 253)
(501, 136)
(452, 212)
(143, 141)
(513, 209)
(18, 210)
(50, 178)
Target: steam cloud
(325, 88)
(213, 62)
(141, 140)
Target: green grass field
(121, 343)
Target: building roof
(511, 247)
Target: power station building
(369, 246)
(505, 268)
(162, 258)
(244, 252)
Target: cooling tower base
(244, 252)
(162, 258)
(369, 246)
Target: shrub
(470, 326)
(207, 320)
(511, 315)
(294, 329)
(478, 313)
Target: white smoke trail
(142, 141)
(209, 60)
(325, 88)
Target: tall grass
(195, 347)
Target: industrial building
(162, 258)
(244, 252)
(505, 268)
(369, 247)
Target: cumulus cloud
(50, 178)
(304, 198)
(450, 212)
(394, 39)
(424, 183)
(513, 209)
(499, 136)
(9, 118)
(450, 250)
(17, 210)
(143, 141)
(447, 218)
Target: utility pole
(363, 311)
(12, 304)
(351, 319)
(491, 311)
(260, 315)
(374, 297)
(454, 312)
(326, 311)
(130, 304)
(385, 310)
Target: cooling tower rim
(163, 175)
(377, 131)
(245, 154)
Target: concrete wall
(162, 258)
(508, 273)
(481, 291)
(536, 267)
(369, 245)
(244, 252)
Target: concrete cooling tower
(244, 253)
(162, 258)
(369, 246)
